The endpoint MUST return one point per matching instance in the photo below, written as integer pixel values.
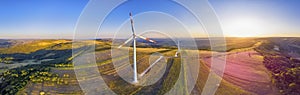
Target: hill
(45, 66)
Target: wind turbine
(134, 36)
(178, 51)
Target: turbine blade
(156, 61)
(147, 39)
(127, 41)
(132, 23)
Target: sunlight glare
(244, 27)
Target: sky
(259, 17)
(56, 19)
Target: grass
(31, 46)
(225, 87)
(172, 76)
(237, 43)
(104, 63)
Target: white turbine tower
(134, 36)
(178, 51)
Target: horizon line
(152, 38)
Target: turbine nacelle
(131, 38)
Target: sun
(244, 27)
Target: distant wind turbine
(134, 36)
(178, 51)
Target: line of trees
(284, 69)
(16, 79)
(7, 60)
(285, 74)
